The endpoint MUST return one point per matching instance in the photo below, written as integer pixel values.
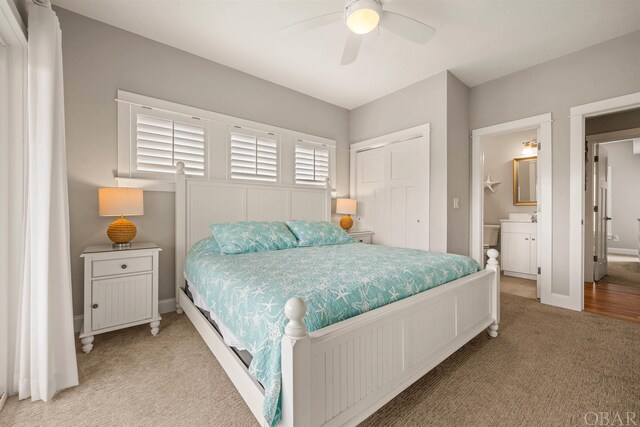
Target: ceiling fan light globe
(363, 16)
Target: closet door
(406, 194)
(392, 194)
(373, 200)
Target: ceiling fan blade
(310, 24)
(406, 27)
(351, 48)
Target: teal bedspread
(248, 291)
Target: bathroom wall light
(530, 148)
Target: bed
(333, 332)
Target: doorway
(612, 209)
(580, 246)
(536, 240)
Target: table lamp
(120, 202)
(346, 207)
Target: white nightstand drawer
(361, 236)
(110, 267)
(366, 238)
(107, 296)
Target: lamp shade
(120, 201)
(346, 206)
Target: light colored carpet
(517, 286)
(548, 367)
(623, 270)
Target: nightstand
(361, 236)
(120, 289)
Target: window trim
(127, 100)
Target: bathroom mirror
(525, 177)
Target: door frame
(543, 123)
(12, 157)
(577, 117)
(420, 131)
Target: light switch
(456, 203)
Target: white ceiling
(478, 40)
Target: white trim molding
(622, 251)
(543, 123)
(578, 115)
(13, 144)
(217, 129)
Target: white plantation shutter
(162, 142)
(254, 157)
(312, 165)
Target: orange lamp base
(346, 223)
(122, 231)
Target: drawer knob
(95, 306)
(123, 266)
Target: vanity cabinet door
(516, 252)
(533, 263)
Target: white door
(518, 248)
(600, 218)
(392, 193)
(372, 195)
(406, 194)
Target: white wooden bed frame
(343, 373)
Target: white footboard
(341, 374)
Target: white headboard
(200, 203)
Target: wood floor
(619, 301)
(607, 299)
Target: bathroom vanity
(519, 248)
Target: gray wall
(428, 102)
(625, 194)
(613, 122)
(499, 152)
(100, 59)
(458, 166)
(598, 72)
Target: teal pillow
(208, 244)
(318, 233)
(251, 236)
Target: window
(162, 142)
(254, 156)
(312, 165)
(154, 135)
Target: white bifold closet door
(392, 193)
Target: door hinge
(595, 159)
(595, 209)
(539, 270)
(595, 258)
(539, 146)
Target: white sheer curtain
(46, 358)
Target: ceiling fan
(362, 17)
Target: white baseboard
(3, 399)
(622, 251)
(164, 306)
